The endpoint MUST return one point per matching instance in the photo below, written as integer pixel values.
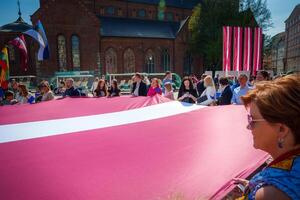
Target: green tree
(260, 12)
(206, 24)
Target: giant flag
(247, 48)
(38, 33)
(4, 65)
(227, 48)
(237, 50)
(123, 148)
(257, 57)
(20, 43)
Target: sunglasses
(251, 122)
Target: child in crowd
(168, 91)
(154, 88)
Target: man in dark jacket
(200, 85)
(226, 95)
(139, 88)
(71, 91)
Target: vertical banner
(227, 32)
(237, 59)
(257, 50)
(247, 49)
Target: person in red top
(154, 88)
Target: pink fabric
(195, 154)
(227, 34)
(247, 48)
(237, 59)
(71, 107)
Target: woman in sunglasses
(274, 120)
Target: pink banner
(247, 48)
(133, 148)
(257, 50)
(237, 59)
(227, 33)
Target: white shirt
(210, 93)
(136, 91)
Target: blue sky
(280, 10)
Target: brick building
(292, 44)
(114, 36)
(278, 53)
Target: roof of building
(187, 4)
(125, 27)
(293, 12)
(18, 26)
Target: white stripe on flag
(249, 49)
(227, 51)
(30, 130)
(258, 49)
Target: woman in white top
(94, 85)
(209, 92)
(25, 96)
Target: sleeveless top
(283, 173)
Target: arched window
(187, 67)
(129, 61)
(165, 60)
(110, 10)
(150, 64)
(75, 53)
(61, 53)
(111, 61)
(142, 13)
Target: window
(165, 60)
(170, 16)
(110, 10)
(142, 13)
(149, 61)
(187, 68)
(75, 53)
(129, 61)
(61, 53)
(111, 61)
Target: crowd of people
(273, 117)
(207, 91)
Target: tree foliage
(210, 16)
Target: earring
(280, 143)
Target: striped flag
(38, 33)
(123, 148)
(257, 57)
(4, 65)
(247, 48)
(227, 48)
(237, 59)
(20, 43)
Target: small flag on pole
(20, 43)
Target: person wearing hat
(168, 90)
